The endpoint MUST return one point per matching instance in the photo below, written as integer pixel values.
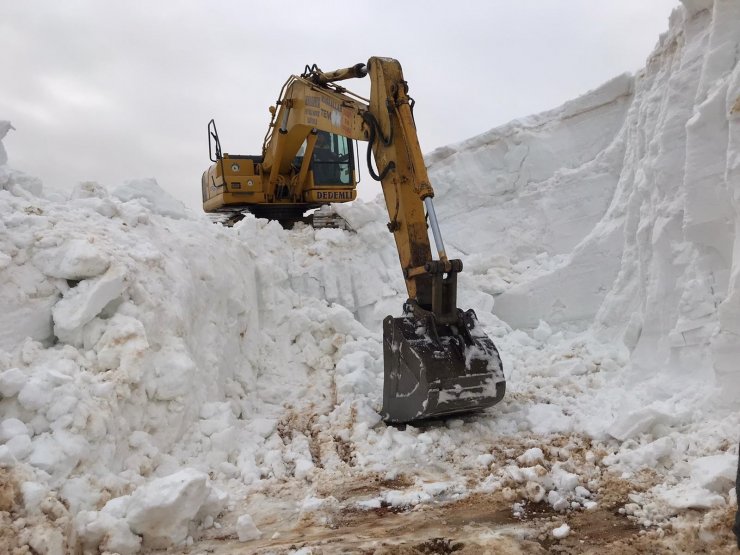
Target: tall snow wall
(625, 202)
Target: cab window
(332, 161)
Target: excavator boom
(437, 361)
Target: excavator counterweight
(437, 359)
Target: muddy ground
(477, 524)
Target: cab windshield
(332, 160)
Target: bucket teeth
(437, 372)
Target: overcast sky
(108, 91)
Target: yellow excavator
(437, 359)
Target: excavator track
(324, 217)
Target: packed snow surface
(155, 368)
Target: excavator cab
(332, 161)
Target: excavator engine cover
(435, 369)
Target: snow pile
(139, 342)
(151, 361)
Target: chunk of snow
(161, 510)
(646, 455)
(303, 468)
(716, 473)
(246, 529)
(485, 459)
(12, 381)
(564, 481)
(531, 456)
(106, 533)
(557, 501)
(5, 126)
(155, 198)
(688, 496)
(542, 332)
(11, 427)
(33, 494)
(547, 419)
(6, 457)
(82, 303)
(74, 260)
(561, 531)
(630, 424)
(535, 491)
(19, 446)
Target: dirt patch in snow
(9, 494)
(8, 534)
(361, 486)
(480, 523)
(613, 491)
(9, 503)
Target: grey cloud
(111, 91)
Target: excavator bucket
(434, 370)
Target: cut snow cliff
(632, 192)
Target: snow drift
(150, 360)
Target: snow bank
(139, 340)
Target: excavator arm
(437, 360)
(387, 123)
